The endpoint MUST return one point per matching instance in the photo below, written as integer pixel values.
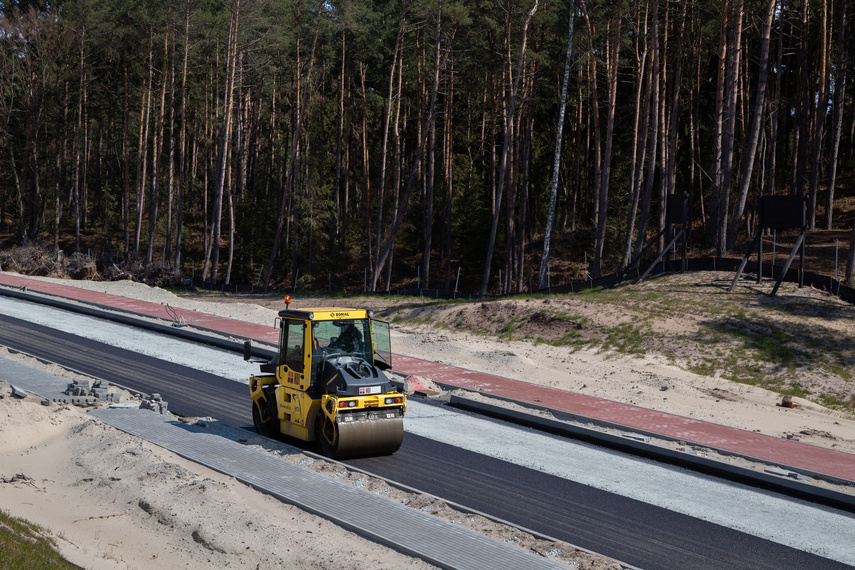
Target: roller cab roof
(323, 314)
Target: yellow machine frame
(297, 405)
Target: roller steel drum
(361, 437)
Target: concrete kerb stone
(781, 478)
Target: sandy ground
(114, 501)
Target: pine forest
(473, 145)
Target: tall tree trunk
(639, 141)
(84, 167)
(729, 132)
(837, 114)
(438, 64)
(387, 117)
(290, 174)
(338, 150)
(612, 60)
(696, 173)
(232, 224)
(448, 164)
(802, 114)
(717, 191)
(507, 178)
(170, 181)
(820, 112)
(126, 165)
(750, 151)
(556, 160)
(366, 168)
(510, 203)
(494, 185)
(224, 148)
(157, 155)
(427, 204)
(775, 120)
(578, 158)
(652, 131)
(594, 113)
(79, 146)
(525, 166)
(399, 153)
(208, 130)
(182, 145)
(505, 152)
(142, 153)
(671, 143)
(62, 160)
(663, 123)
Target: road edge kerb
(559, 414)
(696, 462)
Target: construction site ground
(829, 456)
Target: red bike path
(777, 451)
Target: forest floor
(680, 343)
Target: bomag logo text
(339, 315)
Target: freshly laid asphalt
(786, 454)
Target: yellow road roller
(327, 384)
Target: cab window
(343, 337)
(292, 344)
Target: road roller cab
(327, 384)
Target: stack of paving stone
(156, 403)
(84, 391)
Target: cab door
(381, 344)
(292, 354)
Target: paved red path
(782, 452)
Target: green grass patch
(507, 330)
(565, 316)
(24, 545)
(626, 338)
